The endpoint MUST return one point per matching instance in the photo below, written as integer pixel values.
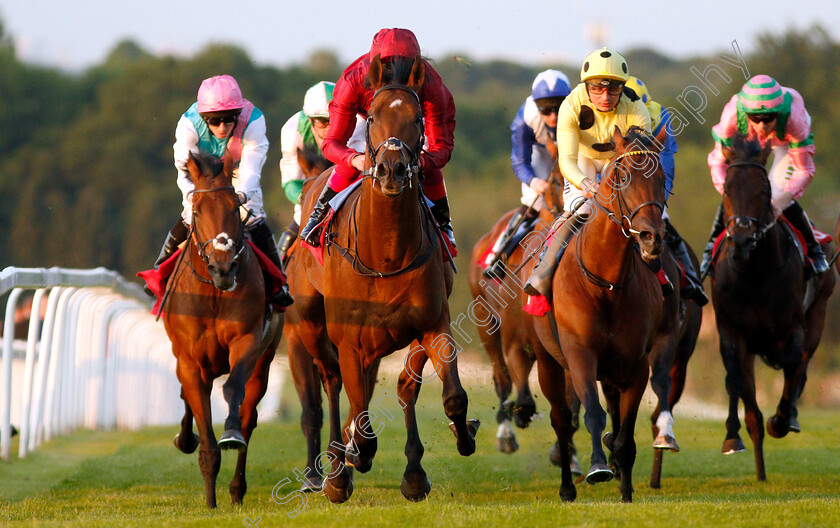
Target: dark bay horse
(764, 303)
(214, 316)
(510, 341)
(609, 311)
(384, 285)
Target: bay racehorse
(383, 286)
(608, 311)
(765, 304)
(214, 313)
(509, 338)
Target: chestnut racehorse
(608, 310)
(764, 303)
(214, 316)
(384, 285)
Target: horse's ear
(376, 73)
(227, 165)
(418, 74)
(193, 170)
(618, 140)
(303, 161)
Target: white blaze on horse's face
(396, 103)
(223, 242)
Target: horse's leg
(440, 348)
(359, 437)
(519, 365)
(661, 360)
(752, 415)
(625, 443)
(243, 359)
(415, 484)
(730, 351)
(573, 403)
(794, 371)
(505, 436)
(308, 386)
(550, 372)
(582, 372)
(613, 398)
(186, 441)
(254, 391)
(198, 398)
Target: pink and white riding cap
(218, 94)
(761, 94)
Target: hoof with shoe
(466, 446)
(778, 427)
(507, 444)
(312, 485)
(666, 442)
(732, 446)
(188, 447)
(415, 491)
(232, 439)
(599, 473)
(338, 495)
(794, 425)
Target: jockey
(585, 124)
(222, 121)
(774, 114)
(306, 129)
(534, 151)
(659, 118)
(352, 96)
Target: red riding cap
(394, 42)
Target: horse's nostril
(212, 269)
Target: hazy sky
(77, 34)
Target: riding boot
(493, 260)
(440, 210)
(287, 238)
(174, 238)
(694, 289)
(717, 229)
(311, 233)
(539, 283)
(797, 216)
(262, 238)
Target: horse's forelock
(744, 149)
(397, 70)
(637, 136)
(209, 165)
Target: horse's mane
(744, 149)
(208, 164)
(314, 158)
(396, 70)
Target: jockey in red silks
(352, 96)
(774, 114)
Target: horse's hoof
(778, 427)
(338, 495)
(466, 446)
(609, 440)
(574, 466)
(732, 446)
(794, 425)
(312, 485)
(415, 491)
(554, 454)
(507, 445)
(666, 442)
(232, 439)
(188, 447)
(568, 493)
(599, 473)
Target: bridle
(202, 246)
(744, 221)
(393, 143)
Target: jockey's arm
(186, 140)
(254, 152)
(290, 172)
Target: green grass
(117, 478)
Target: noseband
(202, 246)
(744, 221)
(393, 143)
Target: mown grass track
(114, 478)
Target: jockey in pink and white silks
(774, 114)
(222, 121)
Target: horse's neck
(608, 252)
(393, 227)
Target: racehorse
(609, 311)
(214, 314)
(384, 285)
(764, 303)
(305, 373)
(510, 340)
